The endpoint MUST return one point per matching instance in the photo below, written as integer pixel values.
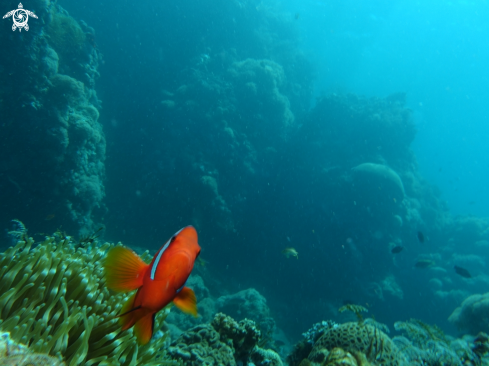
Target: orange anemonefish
(157, 284)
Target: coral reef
(249, 304)
(469, 314)
(383, 177)
(201, 345)
(339, 357)
(428, 345)
(257, 89)
(53, 299)
(66, 36)
(353, 337)
(223, 342)
(363, 345)
(356, 309)
(52, 141)
(317, 330)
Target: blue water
(189, 142)
(437, 52)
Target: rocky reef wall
(52, 143)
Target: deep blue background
(436, 51)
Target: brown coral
(224, 342)
(202, 346)
(353, 337)
(339, 357)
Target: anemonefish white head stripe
(160, 253)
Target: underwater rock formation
(53, 298)
(384, 178)
(249, 304)
(223, 342)
(265, 109)
(339, 357)
(355, 337)
(246, 304)
(469, 314)
(358, 344)
(52, 143)
(353, 343)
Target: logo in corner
(20, 17)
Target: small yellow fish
(290, 252)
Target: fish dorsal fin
(186, 301)
(124, 270)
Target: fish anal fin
(124, 270)
(186, 301)
(128, 319)
(143, 329)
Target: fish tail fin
(124, 270)
(186, 301)
(144, 328)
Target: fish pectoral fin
(186, 301)
(144, 328)
(124, 270)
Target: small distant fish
(290, 252)
(297, 16)
(424, 263)
(462, 272)
(420, 237)
(397, 249)
(49, 217)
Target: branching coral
(202, 346)
(54, 300)
(420, 332)
(356, 309)
(223, 342)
